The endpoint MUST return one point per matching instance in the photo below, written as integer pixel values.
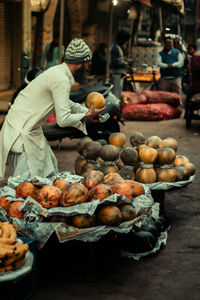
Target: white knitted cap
(77, 52)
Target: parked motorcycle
(109, 122)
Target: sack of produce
(150, 112)
(160, 97)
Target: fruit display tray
(164, 186)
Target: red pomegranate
(49, 196)
(4, 203)
(26, 189)
(13, 210)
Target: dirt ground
(174, 272)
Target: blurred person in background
(195, 70)
(50, 56)
(118, 66)
(99, 60)
(187, 75)
(170, 61)
(194, 66)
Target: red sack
(150, 112)
(161, 97)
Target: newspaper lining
(34, 225)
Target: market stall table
(136, 80)
(83, 250)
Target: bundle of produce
(170, 98)
(184, 168)
(109, 154)
(105, 159)
(146, 160)
(150, 112)
(148, 96)
(129, 157)
(61, 193)
(144, 239)
(85, 210)
(159, 161)
(108, 214)
(12, 253)
(146, 172)
(89, 153)
(102, 186)
(95, 186)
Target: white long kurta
(22, 129)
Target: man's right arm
(67, 112)
(159, 62)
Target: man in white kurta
(22, 141)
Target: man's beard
(79, 74)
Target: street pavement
(171, 274)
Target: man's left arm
(76, 107)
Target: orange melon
(148, 155)
(166, 155)
(166, 174)
(153, 141)
(169, 142)
(145, 175)
(109, 215)
(129, 156)
(137, 139)
(96, 99)
(190, 167)
(180, 159)
(117, 139)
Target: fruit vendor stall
(144, 77)
(116, 191)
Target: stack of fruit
(107, 155)
(159, 161)
(144, 160)
(12, 253)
